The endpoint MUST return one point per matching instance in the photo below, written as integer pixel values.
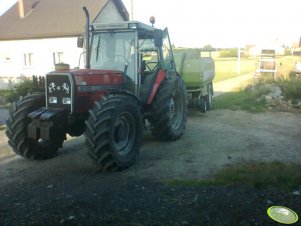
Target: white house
(36, 34)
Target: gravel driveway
(211, 141)
(68, 190)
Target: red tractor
(130, 77)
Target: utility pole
(238, 61)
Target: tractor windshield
(113, 51)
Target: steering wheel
(151, 65)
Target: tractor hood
(97, 77)
(93, 76)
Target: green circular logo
(282, 215)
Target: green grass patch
(227, 68)
(2, 127)
(285, 176)
(250, 100)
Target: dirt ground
(69, 190)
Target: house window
(58, 57)
(7, 59)
(28, 59)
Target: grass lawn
(249, 100)
(227, 68)
(255, 174)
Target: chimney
(25, 7)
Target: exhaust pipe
(87, 38)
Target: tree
(208, 48)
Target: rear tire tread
(159, 118)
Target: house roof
(52, 18)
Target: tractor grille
(59, 91)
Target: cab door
(167, 54)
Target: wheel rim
(124, 133)
(176, 110)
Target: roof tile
(52, 18)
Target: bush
(20, 90)
(291, 88)
(229, 53)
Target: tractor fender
(159, 79)
(125, 92)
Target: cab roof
(124, 25)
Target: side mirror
(80, 42)
(158, 39)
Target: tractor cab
(135, 49)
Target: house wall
(108, 14)
(36, 56)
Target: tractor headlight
(66, 100)
(53, 100)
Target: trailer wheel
(169, 111)
(114, 132)
(16, 130)
(208, 97)
(202, 103)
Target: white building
(255, 50)
(36, 34)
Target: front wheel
(169, 111)
(114, 131)
(16, 130)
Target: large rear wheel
(16, 130)
(169, 111)
(114, 131)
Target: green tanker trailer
(197, 73)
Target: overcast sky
(220, 23)
(6, 4)
(223, 23)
